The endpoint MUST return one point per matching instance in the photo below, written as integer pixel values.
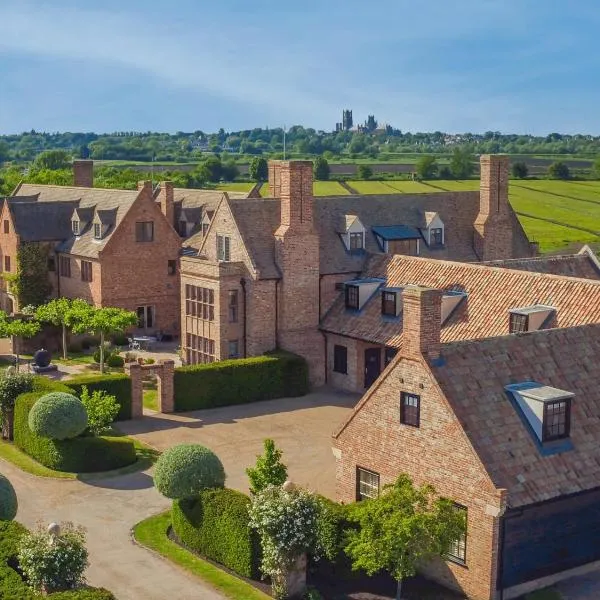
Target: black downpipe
(501, 556)
(277, 314)
(243, 284)
(325, 344)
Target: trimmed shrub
(58, 416)
(115, 361)
(13, 586)
(102, 408)
(44, 384)
(120, 339)
(77, 455)
(217, 525)
(8, 500)
(117, 385)
(185, 470)
(276, 375)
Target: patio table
(145, 340)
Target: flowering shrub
(102, 409)
(286, 522)
(58, 416)
(54, 563)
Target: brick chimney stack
(297, 256)
(83, 173)
(275, 178)
(145, 186)
(493, 225)
(166, 198)
(421, 322)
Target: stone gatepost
(166, 388)
(137, 393)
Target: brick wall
(493, 236)
(328, 292)
(437, 453)
(136, 273)
(422, 315)
(9, 244)
(75, 287)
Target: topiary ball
(114, 360)
(58, 416)
(184, 471)
(8, 500)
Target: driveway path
(108, 509)
(301, 427)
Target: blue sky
(526, 66)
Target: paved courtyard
(301, 427)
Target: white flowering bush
(54, 563)
(286, 522)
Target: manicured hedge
(118, 385)
(12, 586)
(276, 375)
(216, 525)
(77, 455)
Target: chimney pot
(83, 173)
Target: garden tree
(559, 170)
(426, 167)
(461, 163)
(286, 519)
(53, 160)
(102, 321)
(269, 470)
(402, 528)
(61, 312)
(8, 500)
(53, 559)
(520, 170)
(4, 151)
(321, 168)
(229, 171)
(102, 409)
(211, 169)
(258, 169)
(365, 172)
(12, 385)
(17, 329)
(183, 471)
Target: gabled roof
(473, 376)
(39, 221)
(84, 213)
(50, 197)
(492, 292)
(429, 217)
(106, 216)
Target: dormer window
(357, 241)
(433, 230)
(352, 297)
(75, 227)
(436, 237)
(547, 413)
(97, 231)
(530, 318)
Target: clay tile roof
(566, 359)
(491, 293)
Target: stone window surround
(367, 484)
(410, 409)
(340, 359)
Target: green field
(235, 187)
(320, 188)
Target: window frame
(199, 302)
(64, 266)
(141, 231)
(340, 359)
(6, 226)
(199, 350)
(434, 243)
(360, 497)
(76, 227)
(97, 231)
(516, 322)
(233, 306)
(87, 271)
(235, 354)
(351, 290)
(405, 417)
(171, 268)
(384, 304)
(567, 424)
(352, 237)
(7, 263)
(461, 542)
(223, 248)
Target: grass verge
(151, 399)
(152, 534)
(146, 456)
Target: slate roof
(396, 232)
(42, 221)
(491, 293)
(473, 377)
(457, 210)
(53, 221)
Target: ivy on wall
(30, 284)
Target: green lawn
(235, 186)
(329, 188)
(152, 533)
(373, 187)
(75, 358)
(151, 399)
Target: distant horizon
(465, 66)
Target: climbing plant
(30, 284)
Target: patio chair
(133, 345)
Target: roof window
(530, 318)
(352, 232)
(359, 291)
